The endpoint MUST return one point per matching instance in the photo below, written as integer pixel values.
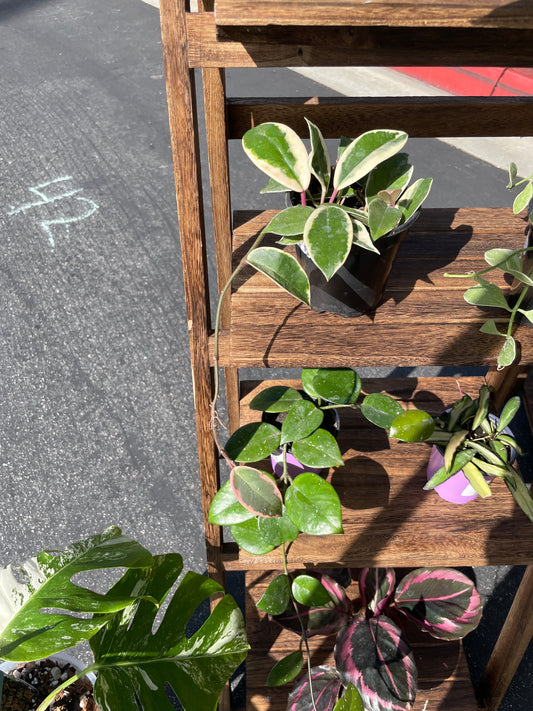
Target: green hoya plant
(473, 441)
(519, 265)
(44, 611)
(364, 197)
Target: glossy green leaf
(138, 660)
(278, 398)
(226, 509)
(328, 238)
(499, 448)
(290, 221)
(307, 376)
(393, 174)
(279, 152)
(441, 475)
(253, 442)
(286, 669)
(451, 448)
(486, 452)
(340, 386)
(256, 536)
(361, 237)
(510, 409)
(414, 196)
(476, 480)
(523, 198)
(350, 701)
(309, 591)
(313, 505)
(283, 269)
(507, 354)
(27, 590)
(319, 160)
(256, 491)
(318, 450)
(276, 597)
(486, 294)
(382, 218)
(302, 420)
(412, 426)
(381, 409)
(366, 152)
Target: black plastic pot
(357, 287)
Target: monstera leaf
(133, 661)
(30, 629)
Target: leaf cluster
(372, 655)
(365, 197)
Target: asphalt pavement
(95, 388)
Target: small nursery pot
(357, 287)
(457, 489)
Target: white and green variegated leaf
(491, 328)
(290, 222)
(273, 187)
(365, 153)
(382, 218)
(523, 198)
(283, 269)
(414, 196)
(279, 152)
(361, 237)
(319, 160)
(328, 237)
(486, 294)
(393, 174)
(508, 261)
(513, 172)
(27, 630)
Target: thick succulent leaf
(302, 420)
(393, 174)
(442, 601)
(507, 414)
(283, 269)
(382, 218)
(513, 172)
(340, 386)
(365, 153)
(280, 153)
(318, 450)
(309, 591)
(313, 505)
(381, 409)
(253, 442)
(414, 196)
(376, 585)
(226, 509)
(328, 238)
(260, 535)
(27, 590)
(290, 222)
(485, 293)
(508, 261)
(373, 656)
(520, 492)
(256, 491)
(412, 426)
(277, 398)
(507, 354)
(134, 662)
(319, 160)
(325, 685)
(452, 446)
(462, 457)
(287, 669)
(276, 597)
(350, 701)
(361, 237)
(476, 480)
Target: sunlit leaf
(382, 218)
(350, 701)
(376, 585)
(290, 221)
(486, 294)
(510, 409)
(366, 152)
(476, 480)
(309, 591)
(319, 450)
(253, 442)
(491, 328)
(278, 398)
(523, 198)
(226, 508)
(256, 491)
(276, 597)
(319, 159)
(414, 196)
(507, 354)
(340, 386)
(392, 174)
(313, 504)
(381, 409)
(287, 669)
(412, 426)
(302, 420)
(283, 269)
(328, 238)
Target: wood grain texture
(387, 517)
(423, 319)
(355, 46)
(444, 679)
(431, 116)
(400, 13)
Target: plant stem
(490, 268)
(43, 706)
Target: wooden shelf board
(444, 679)
(423, 319)
(387, 517)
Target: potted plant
(468, 440)
(519, 265)
(371, 650)
(43, 611)
(350, 221)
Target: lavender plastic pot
(457, 489)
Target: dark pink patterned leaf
(373, 656)
(442, 601)
(326, 686)
(376, 585)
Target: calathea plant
(43, 611)
(366, 196)
(516, 263)
(371, 651)
(473, 441)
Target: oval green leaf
(278, 398)
(290, 222)
(226, 509)
(381, 409)
(276, 597)
(382, 218)
(365, 153)
(313, 505)
(340, 386)
(486, 294)
(256, 491)
(283, 269)
(328, 237)
(350, 701)
(414, 196)
(286, 669)
(302, 420)
(309, 591)
(393, 174)
(509, 411)
(318, 450)
(507, 354)
(253, 442)
(412, 426)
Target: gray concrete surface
(97, 413)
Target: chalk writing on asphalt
(55, 191)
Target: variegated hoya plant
(374, 663)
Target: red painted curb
(475, 81)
